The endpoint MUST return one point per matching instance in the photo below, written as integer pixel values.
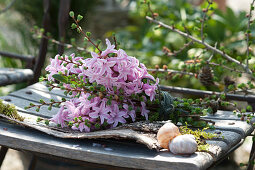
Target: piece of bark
(141, 132)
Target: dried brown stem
(115, 42)
(69, 62)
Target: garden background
(137, 36)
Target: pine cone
(206, 76)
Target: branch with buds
(209, 47)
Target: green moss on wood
(201, 136)
(10, 111)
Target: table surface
(118, 153)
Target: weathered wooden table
(117, 153)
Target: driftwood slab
(119, 149)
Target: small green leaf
(97, 126)
(109, 102)
(91, 88)
(94, 84)
(60, 78)
(47, 122)
(73, 26)
(50, 107)
(38, 119)
(102, 89)
(79, 17)
(71, 14)
(88, 34)
(249, 108)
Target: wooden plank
(103, 152)
(27, 58)
(12, 76)
(21, 103)
(35, 95)
(41, 86)
(114, 153)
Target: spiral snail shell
(166, 133)
(183, 145)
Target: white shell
(183, 145)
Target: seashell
(166, 133)
(183, 145)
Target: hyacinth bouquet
(110, 88)
(105, 91)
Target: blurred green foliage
(15, 31)
(146, 40)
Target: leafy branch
(79, 29)
(222, 53)
(204, 19)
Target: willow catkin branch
(248, 34)
(226, 56)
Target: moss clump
(10, 111)
(200, 136)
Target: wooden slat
(27, 58)
(112, 153)
(109, 153)
(21, 104)
(13, 76)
